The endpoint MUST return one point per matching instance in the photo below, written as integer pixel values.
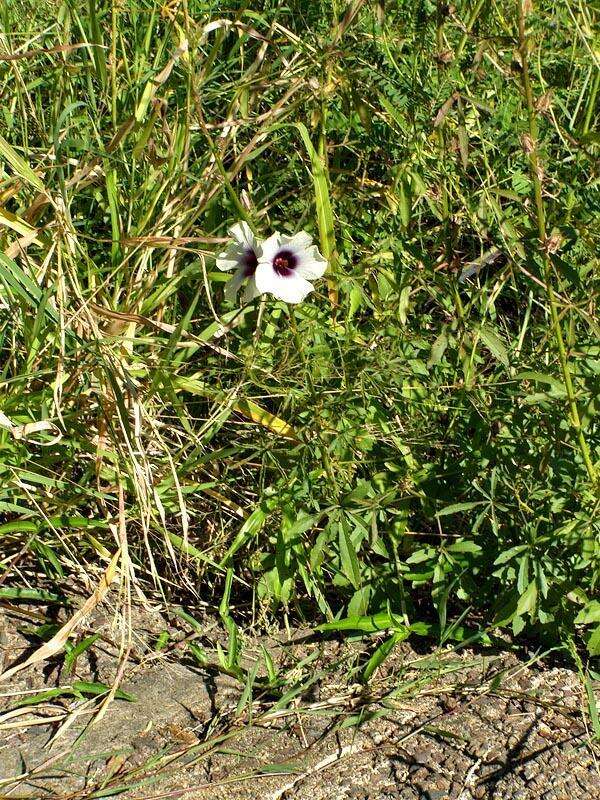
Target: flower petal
(251, 291)
(299, 241)
(230, 259)
(270, 247)
(290, 288)
(233, 285)
(242, 233)
(311, 264)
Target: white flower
(287, 265)
(242, 256)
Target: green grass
(419, 441)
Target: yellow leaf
(263, 417)
(17, 224)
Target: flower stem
(536, 173)
(327, 465)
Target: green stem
(535, 169)
(444, 193)
(591, 105)
(470, 22)
(113, 65)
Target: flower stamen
(284, 263)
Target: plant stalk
(536, 178)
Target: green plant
(420, 438)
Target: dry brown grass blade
(61, 48)
(122, 319)
(126, 642)
(25, 432)
(347, 20)
(94, 168)
(57, 642)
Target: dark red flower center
(284, 263)
(249, 262)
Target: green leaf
(507, 555)
(252, 525)
(382, 652)
(198, 652)
(455, 508)
(43, 697)
(403, 304)
(541, 377)
(97, 42)
(19, 165)
(78, 649)
(438, 348)
(322, 199)
(404, 202)
(348, 557)
(590, 613)
(86, 687)
(382, 621)
(29, 595)
(464, 547)
(359, 604)
(593, 643)
(528, 600)
(190, 550)
(78, 688)
(21, 285)
(280, 769)
(494, 344)
(589, 688)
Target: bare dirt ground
(436, 725)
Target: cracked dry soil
(463, 736)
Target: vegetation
(414, 447)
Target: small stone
(530, 770)
(422, 756)
(455, 790)
(449, 702)
(356, 793)
(418, 773)
(495, 755)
